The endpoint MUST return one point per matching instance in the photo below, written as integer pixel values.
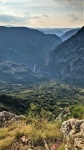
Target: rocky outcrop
(22, 143)
(73, 131)
(25, 143)
(5, 117)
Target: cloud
(40, 17)
(76, 3)
(45, 13)
(12, 19)
(2, 2)
(73, 9)
(20, 19)
(46, 16)
(74, 16)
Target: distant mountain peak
(69, 34)
(82, 29)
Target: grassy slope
(36, 132)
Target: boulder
(5, 117)
(73, 131)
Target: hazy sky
(42, 13)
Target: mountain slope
(24, 45)
(66, 61)
(68, 34)
(18, 73)
(57, 31)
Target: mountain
(25, 45)
(18, 73)
(68, 34)
(66, 61)
(57, 31)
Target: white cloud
(45, 13)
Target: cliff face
(73, 131)
(66, 61)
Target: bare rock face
(73, 131)
(5, 117)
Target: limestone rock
(73, 131)
(7, 116)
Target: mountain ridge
(68, 34)
(66, 61)
(21, 44)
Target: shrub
(77, 111)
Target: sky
(42, 13)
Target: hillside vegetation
(45, 99)
(41, 104)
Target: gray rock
(73, 131)
(5, 117)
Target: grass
(36, 131)
(6, 142)
(62, 147)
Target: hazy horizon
(42, 27)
